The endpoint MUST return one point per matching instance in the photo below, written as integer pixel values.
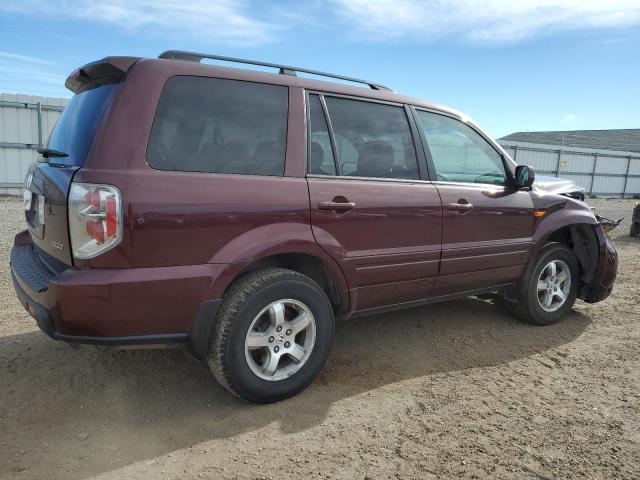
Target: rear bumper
(601, 284)
(118, 306)
(44, 320)
(36, 310)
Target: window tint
(221, 126)
(459, 153)
(372, 139)
(74, 131)
(321, 160)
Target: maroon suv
(241, 212)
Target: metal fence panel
(545, 161)
(633, 186)
(608, 185)
(511, 151)
(576, 162)
(582, 180)
(18, 125)
(14, 163)
(601, 172)
(609, 165)
(25, 123)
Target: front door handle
(330, 205)
(461, 206)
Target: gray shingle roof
(626, 140)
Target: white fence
(601, 172)
(25, 124)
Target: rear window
(73, 133)
(220, 126)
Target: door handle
(329, 205)
(460, 206)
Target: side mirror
(524, 176)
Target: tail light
(95, 219)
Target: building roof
(625, 140)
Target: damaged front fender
(571, 222)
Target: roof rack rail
(283, 69)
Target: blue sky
(511, 65)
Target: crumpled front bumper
(601, 284)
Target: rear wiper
(49, 153)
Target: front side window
(459, 153)
(219, 126)
(372, 139)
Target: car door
(487, 224)
(372, 208)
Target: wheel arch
(318, 269)
(579, 236)
(318, 266)
(283, 244)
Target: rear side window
(74, 131)
(220, 126)
(372, 139)
(321, 161)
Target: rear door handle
(329, 205)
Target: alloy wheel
(554, 285)
(280, 339)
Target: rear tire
(551, 287)
(272, 336)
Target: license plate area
(34, 206)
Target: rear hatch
(48, 180)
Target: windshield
(73, 133)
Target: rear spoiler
(102, 72)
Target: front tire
(551, 287)
(273, 334)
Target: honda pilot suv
(241, 212)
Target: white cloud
(484, 21)
(569, 118)
(250, 22)
(20, 73)
(23, 59)
(229, 21)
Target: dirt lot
(456, 390)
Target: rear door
(372, 208)
(487, 224)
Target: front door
(370, 209)
(487, 224)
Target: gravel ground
(455, 390)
